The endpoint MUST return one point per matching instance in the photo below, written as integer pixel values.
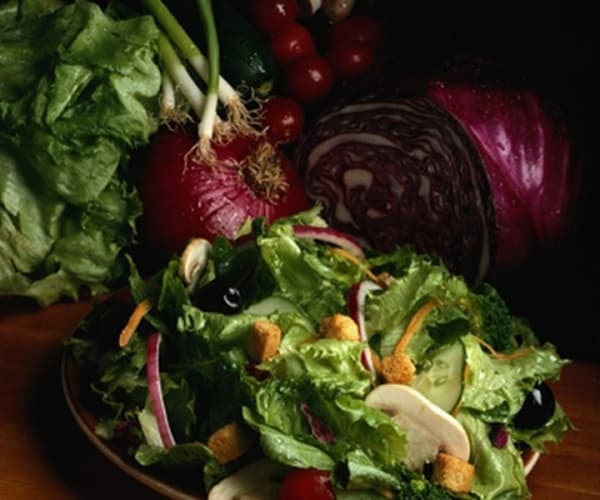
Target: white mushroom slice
(429, 429)
(256, 481)
(193, 259)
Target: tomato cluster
(308, 75)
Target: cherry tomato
(348, 60)
(309, 78)
(307, 484)
(273, 16)
(361, 29)
(292, 43)
(285, 119)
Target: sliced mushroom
(256, 481)
(429, 429)
(194, 259)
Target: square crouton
(229, 442)
(453, 473)
(340, 327)
(265, 338)
(398, 369)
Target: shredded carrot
(134, 321)
(360, 263)
(505, 357)
(414, 325)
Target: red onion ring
(332, 236)
(155, 390)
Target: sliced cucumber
(441, 380)
(272, 305)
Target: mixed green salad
(295, 352)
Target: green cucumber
(442, 378)
(246, 58)
(271, 305)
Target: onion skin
(183, 199)
(531, 161)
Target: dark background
(554, 48)
(551, 49)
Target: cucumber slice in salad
(271, 305)
(442, 379)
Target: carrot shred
(360, 263)
(414, 325)
(519, 353)
(134, 321)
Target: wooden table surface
(44, 455)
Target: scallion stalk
(207, 123)
(177, 72)
(237, 112)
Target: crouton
(229, 442)
(398, 369)
(340, 327)
(452, 473)
(265, 338)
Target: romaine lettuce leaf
(77, 95)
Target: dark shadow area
(63, 444)
(16, 305)
(552, 47)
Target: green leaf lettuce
(77, 94)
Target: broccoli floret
(415, 489)
(495, 324)
(421, 489)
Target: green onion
(177, 72)
(237, 112)
(207, 124)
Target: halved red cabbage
(478, 173)
(402, 171)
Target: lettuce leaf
(277, 409)
(498, 471)
(499, 388)
(77, 95)
(308, 275)
(388, 313)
